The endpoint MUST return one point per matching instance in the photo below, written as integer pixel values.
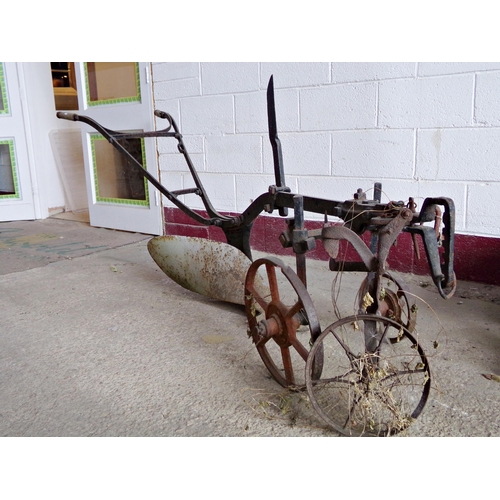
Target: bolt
(261, 329)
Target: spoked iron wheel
(274, 320)
(395, 301)
(368, 392)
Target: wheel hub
(278, 326)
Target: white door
(119, 97)
(16, 195)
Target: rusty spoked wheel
(395, 301)
(282, 321)
(378, 391)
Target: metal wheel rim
(312, 381)
(307, 306)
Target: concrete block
(457, 191)
(250, 187)
(251, 111)
(167, 71)
(373, 154)
(303, 154)
(426, 102)
(450, 68)
(487, 101)
(482, 219)
(171, 163)
(295, 74)
(176, 162)
(177, 88)
(343, 72)
(229, 77)
(172, 181)
(338, 107)
(170, 106)
(234, 153)
(287, 110)
(193, 143)
(220, 189)
(208, 115)
(451, 154)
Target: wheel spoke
(350, 355)
(355, 402)
(382, 337)
(294, 310)
(287, 365)
(339, 379)
(401, 373)
(262, 341)
(302, 351)
(273, 282)
(263, 303)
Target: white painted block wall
(422, 129)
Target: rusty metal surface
(331, 235)
(216, 270)
(274, 320)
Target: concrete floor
(97, 341)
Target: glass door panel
(115, 178)
(112, 82)
(9, 184)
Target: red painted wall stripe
(477, 258)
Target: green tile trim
(15, 178)
(136, 98)
(4, 110)
(119, 201)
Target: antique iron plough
(366, 373)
